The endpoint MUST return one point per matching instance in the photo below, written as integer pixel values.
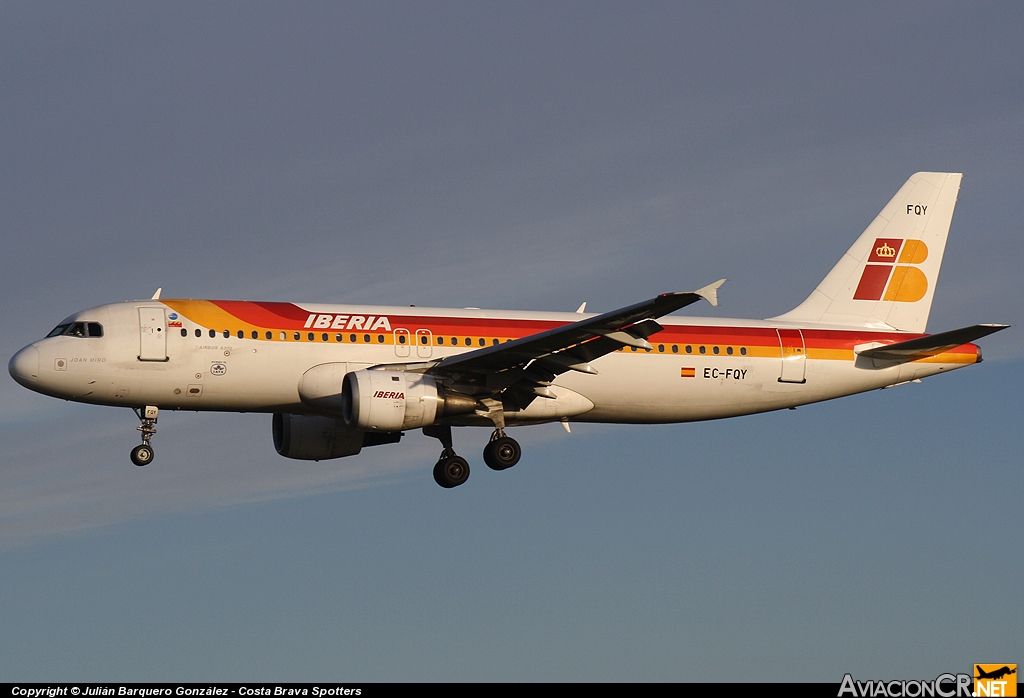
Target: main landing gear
(501, 451)
(452, 470)
(143, 453)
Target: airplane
(340, 378)
(995, 674)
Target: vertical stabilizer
(887, 279)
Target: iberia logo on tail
(892, 270)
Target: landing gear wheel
(502, 453)
(142, 455)
(451, 472)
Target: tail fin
(887, 279)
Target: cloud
(70, 472)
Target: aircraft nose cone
(24, 366)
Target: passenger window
(352, 338)
(494, 341)
(270, 335)
(241, 334)
(255, 334)
(296, 336)
(380, 339)
(284, 336)
(455, 341)
(661, 348)
(213, 333)
(440, 340)
(469, 342)
(702, 350)
(401, 339)
(675, 348)
(728, 350)
(423, 339)
(482, 341)
(199, 332)
(184, 333)
(743, 351)
(324, 337)
(689, 349)
(337, 338)
(715, 349)
(310, 336)
(227, 333)
(366, 338)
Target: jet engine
(396, 400)
(313, 437)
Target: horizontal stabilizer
(931, 345)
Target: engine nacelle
(312, 437)
(396, 400)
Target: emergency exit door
(424, 343)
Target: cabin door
(152, 334)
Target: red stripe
(291, 316)
(265, 314)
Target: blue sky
(530, 156)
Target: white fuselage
(698, 368)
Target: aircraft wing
(923, 347)
(528, 364)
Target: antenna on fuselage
(156, 296)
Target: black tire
(142, 455)
(439, 474)
(502, 453)
(451, 472)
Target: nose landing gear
(143, 453)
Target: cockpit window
(78, 329)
